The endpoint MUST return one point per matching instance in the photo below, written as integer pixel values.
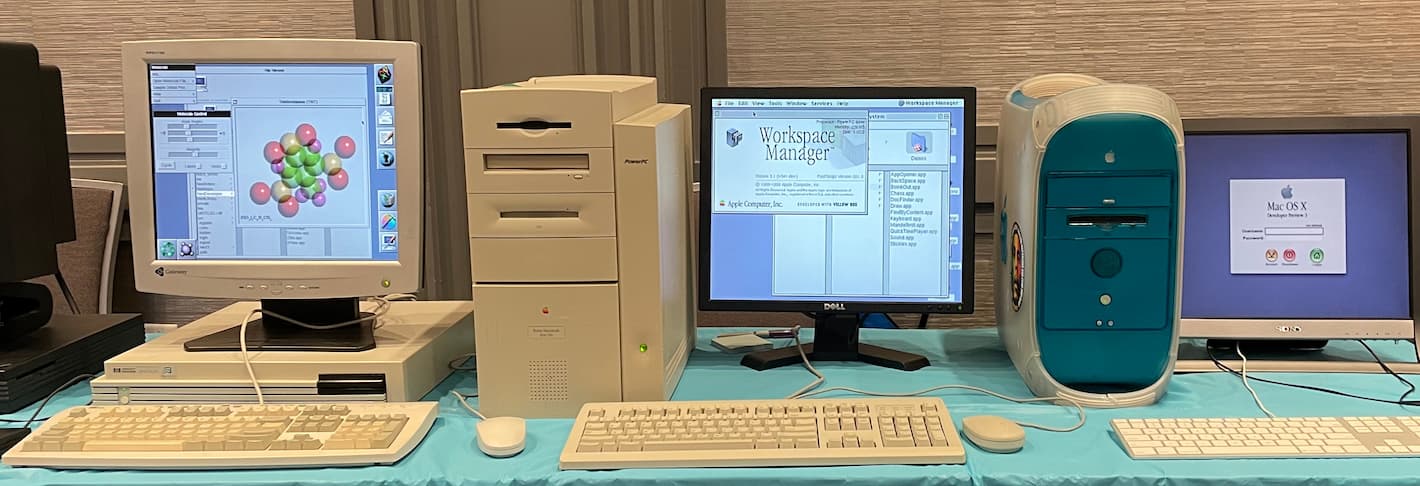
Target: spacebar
(133, 446)
(697, 445)
(1249, 450)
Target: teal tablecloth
(449, 456)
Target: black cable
(68, 294)
(19, 421)
(1387, 369)
(52, 394)
(922, 322)
(1221, 366)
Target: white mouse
(502, 436)
(994, 434)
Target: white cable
(381, 307)
(463, 400)
(246, 360)
(1078, 407)
(1238, 347)
(818, 377)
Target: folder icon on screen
(917, 143)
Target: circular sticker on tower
(1018, 267)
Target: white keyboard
(225, 437)
(763, 433)
(1239, 438)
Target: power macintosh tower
(579, 223)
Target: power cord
(463, 400)
(382, 305)
(1220, 365)
(1387, 369)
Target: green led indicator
(644, 348)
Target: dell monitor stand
(271, 333)
(836, 339)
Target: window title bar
(838, 103)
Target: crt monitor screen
(1297, 226)
(846, 200)
(262, 161)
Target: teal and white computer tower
(1090, 200)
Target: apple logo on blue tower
(1287, 192)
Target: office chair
(87, 263)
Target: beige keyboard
(225, 437)
(763, 433)
(1239, 438)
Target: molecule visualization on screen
(304, 174)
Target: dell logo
(834, 306)
(159, 271)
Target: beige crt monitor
(286, 170)
(194, 124)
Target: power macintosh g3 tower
(578, 215)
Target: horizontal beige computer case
(579, 225)
(414, 343)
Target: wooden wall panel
(82, 37)
(1216, 58)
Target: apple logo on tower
(1287, 192)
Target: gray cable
(454, 364)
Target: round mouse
(994, 434)
(502, 436)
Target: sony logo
(834, 306)
(1288, 329)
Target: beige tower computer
(580, 232)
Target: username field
(1294, 231)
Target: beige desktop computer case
(580, 238)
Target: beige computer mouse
(502, 436)
(993, 434)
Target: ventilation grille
(547, 380)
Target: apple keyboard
(763, 433)
(1239, 438)
(225, 437)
